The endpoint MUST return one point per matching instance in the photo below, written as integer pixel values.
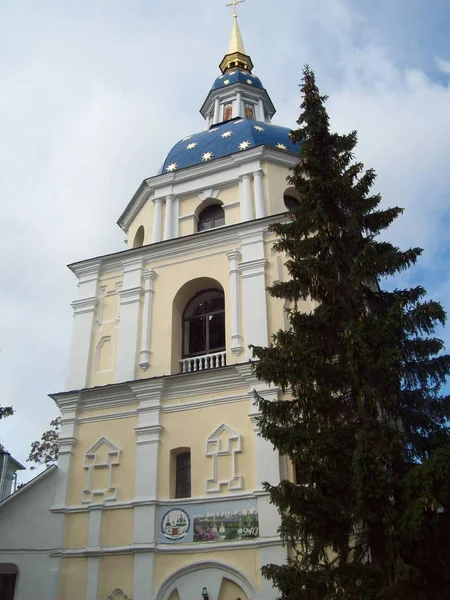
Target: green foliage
(367, 425)
(6, 411)
(45, 451)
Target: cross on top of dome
(236, 56)
(234, 4)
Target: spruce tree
(367, 423)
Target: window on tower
(181, 463)
(291, 199)
(204, 324)
(210, 217)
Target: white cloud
(92, 101)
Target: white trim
(93, 575)
(152, 501)
(214, 450)
(245, 197)
(149, 290)
(170, 548)
(192, 179)
(157, 220)
(236, 338)
(178, 248)
(91, 463)
(260, 206)
(95, 526)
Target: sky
(94, 93)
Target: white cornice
(195, 174)
(154, 390)
(177, 247)
(171, 548)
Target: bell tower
(161, 467)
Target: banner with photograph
(209, 522)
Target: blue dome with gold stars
(227, 138)
(237, 76)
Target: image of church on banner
(209, 522)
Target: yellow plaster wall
(144, 218)
(117, 527)
(166, 326)
(119, 432)
(191, 429)
(231, 591)
(76, 530)
(174, 595)
(116, 572)
(246, 561)
(73, 579)
(275, 185)
(106, 331)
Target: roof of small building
(227, 138)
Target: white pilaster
(168, 221)
(260, 207)
(66, 444)
(148, 435)
(95, 525)
(254, 302)
(143, 576)
(273, 555)
(157, 217)
(93, 572)
(216, 110)
(83, 320)
(130, 298)
(246, 198)
(176, 216)
(149, 291)
(236, 338)
(238, 105)
(262, 116)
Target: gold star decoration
(172, 167)
(227, 82)
(281, 146)
(226, 134)
(190, 146)
(258, 128)
(186, 138)
(207, 156)
(244, 145)
(249, 81)
(240, 121)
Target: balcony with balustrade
(204, 332)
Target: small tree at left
(44, 452)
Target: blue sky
(94, 95)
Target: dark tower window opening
(204, 324)
(210, 217)
(183, 475)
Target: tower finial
(236, 55)
(234, 3)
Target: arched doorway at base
(222, 582)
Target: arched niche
(139, 237)
(188, 291)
